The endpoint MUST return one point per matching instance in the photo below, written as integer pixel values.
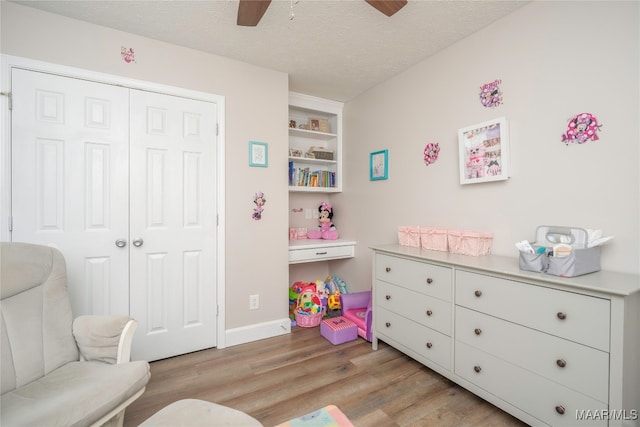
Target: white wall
(555, 59)
(256, 109)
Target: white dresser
(549, 350)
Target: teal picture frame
(258, 154)
(379, 165)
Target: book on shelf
(305, 177)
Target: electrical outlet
(316, 214)
(254, 302)
(308, 213)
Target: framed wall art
(258, 154)
(319, 125)
(379, 165)
(484, 152)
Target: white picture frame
(484, 152)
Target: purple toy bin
(338, 330)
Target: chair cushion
(35, 314)
(74, 394)
(357, 316)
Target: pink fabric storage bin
(338, 330)
(434, 238)
(409, 236)
(469, 242)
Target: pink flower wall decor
(431, 151)
(127, 55)
(581, 128)
(490, 94)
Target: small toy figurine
(326, 230)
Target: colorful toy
(337, 284)
(334, 301)
(326, 230)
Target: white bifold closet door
(123, 182)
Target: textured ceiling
(331, 49)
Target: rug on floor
(329, 416)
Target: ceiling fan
(251, 11)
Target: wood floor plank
(284, 377)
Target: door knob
(121, 243)
(137, 242)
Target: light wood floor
(284, 377)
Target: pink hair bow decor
(431, 151)
(326, 206)
(582, 128)
(127, 55)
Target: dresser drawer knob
(388, 269)
(478, 293)
(429, 345)
(388, 324)
(429, 312)
(560, 409)
(429, 280)
(562, 315)
(477, 331)
(477, 369)
(387, 297)
(561, 362)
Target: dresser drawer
(532, 393)
(576, 317)
(320, 253)
(418, 276)
(420, 339)
(581, 368)
(424, 309)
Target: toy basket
(309, 320)
(409, 236)
(434, 238)
(469, 242)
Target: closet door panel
(173, 215)
(70, 186)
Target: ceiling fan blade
(250, 12)
(388, 7)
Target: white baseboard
(256, 332)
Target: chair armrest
(355, 300)
(104, 338)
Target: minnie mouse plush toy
(326, 230)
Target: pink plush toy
(326, 230)
(476, 162)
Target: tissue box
(338, 330)
(434, 238)
(469, 242)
